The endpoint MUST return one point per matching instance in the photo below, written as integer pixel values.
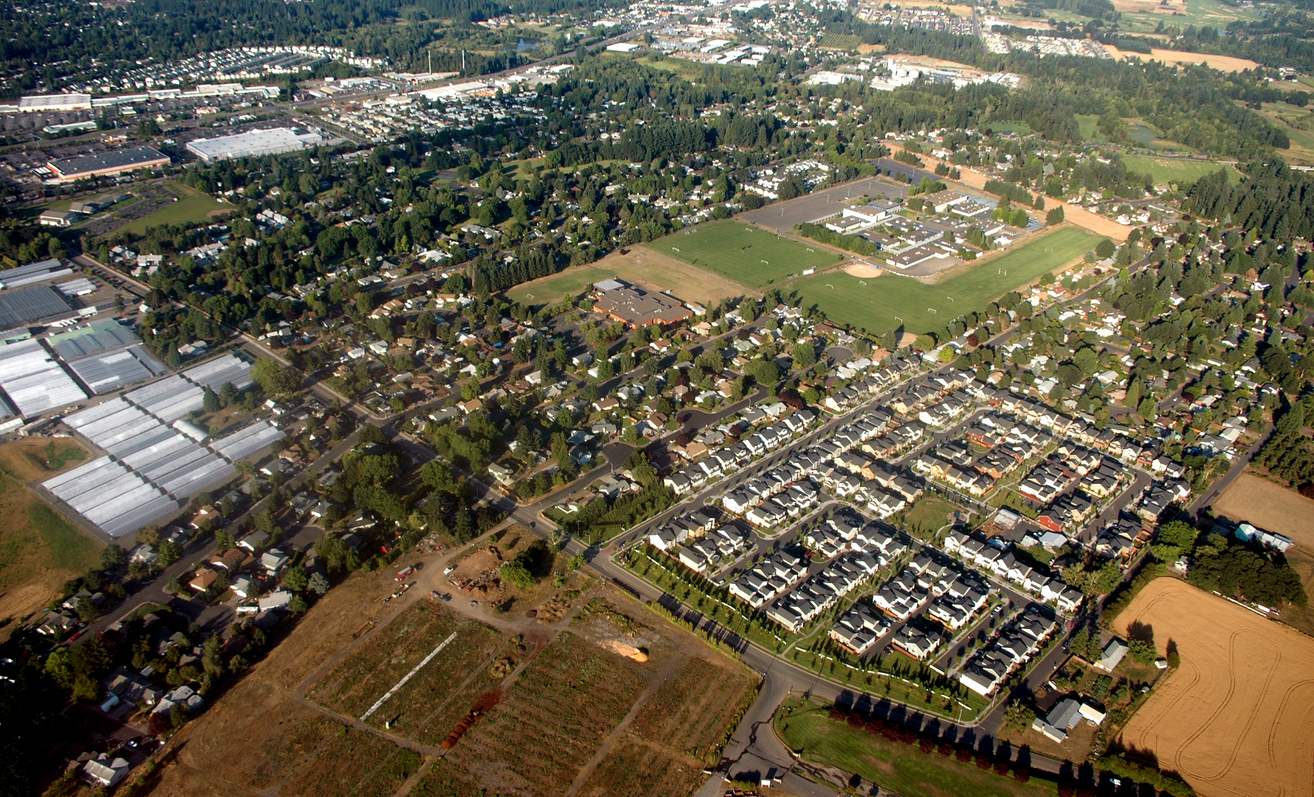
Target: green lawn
(883, 303)
(927, 516)
(752, 257)
(903, 769)
(192, 207)
(1177, 170)
(549, 290)
(1200, 13)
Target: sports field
(752, 257)
(1231, 720)
(888, 302)
(1177, 170)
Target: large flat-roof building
(54, 103)
(107, 164)
(254, 143)
(637, 307)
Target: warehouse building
(107, 164)
(254, 143)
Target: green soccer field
(887, 302)
(752, 257)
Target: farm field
(649, 270)
(807, 729)
(39, 548)
(1269, 506)
(1177, 170)
(891, 301)
(751, 257)
(564, 706)
(370, 671)
(1231, 719)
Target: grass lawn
(901, 768)
(752, 257)
(192, 207)
(888, 302)
(549, 290)
(1021, 128)
(39, 551)
(1177, 170)
(928, 515)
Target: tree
(1105, 249)
(295, 578)
(318, 583)
(223, 540)
(210, 401)
(804, 356)
(764, 372)
(112, 556)
(1054, 216)
(1018, 716)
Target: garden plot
(553, 719)
(355, 685)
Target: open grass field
(891, 301)
(1142, 16)
(1298, 124)
(808, 730)
(751, 257)
(1177, 170)
(1232, 719)
(192, 207)
(1269, 506)
(643, 267)
(39, 548)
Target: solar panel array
(152, 466)
(33, 379)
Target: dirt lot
(862, 271)
(1232, 719)
(1225, 63)
(1269, 506)
(562, 712)
(39, 458)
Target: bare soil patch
(862, 270)
(1232, 719)
(39, 458)
(1224, 63)
(1269, 506)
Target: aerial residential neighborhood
(765, 397)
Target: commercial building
(54, 103)
(107, 164)
(254, 143)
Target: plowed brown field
(1233, 719)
